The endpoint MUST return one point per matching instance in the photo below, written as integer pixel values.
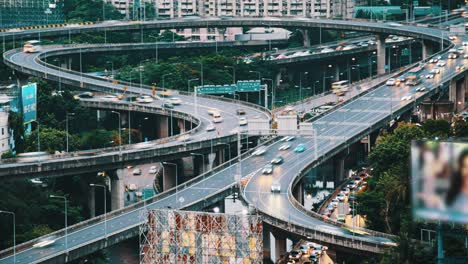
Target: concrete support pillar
(163, 130)
(181, 125)
(188, 168)
(280, 246)
(278, 77)
(266, 246)
(117, 189)
(337, 73)
(92, 201)
(306, 37)
(69, 63)
(211, 161)
(339, 170)
(298, 192)
(169, 177)
(427, 49)
(381, 53)
(457, 92)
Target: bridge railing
(141, 204)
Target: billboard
(169, 236)
(28, 100)
(440, 180)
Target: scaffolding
(25, 13)
(170, 236)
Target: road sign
(248, 86)
(216, 89)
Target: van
(217, 118)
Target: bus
(32, 46)
(341, 86)
(414, 73)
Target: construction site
(170, 236)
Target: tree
(15, 124)
(98, 138)
(51, 140)
(89, 10)
(460, 129)
(437, 128)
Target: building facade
(246, 8)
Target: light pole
(120, 132)
(164, 80)
(155, 48)
(300, 88)
(266, 90)
(112, 68)
(233, 73)
(14, 232)
(259, 92)
(229, 147)
(203, 159)
(177, 176)
(324, 79)
(38, 136)
(316, 82)
(105, 208)
(201, 70)
(140, 70)
(66, 119)
(66, 224)
(188, 84)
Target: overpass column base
(427, 49)
(299, 192)
(306, 37)
(339, 170)
(188, 167)
(163, 127)
(91, 201)
(266, 246)
(457, 91)
(280, 246)
(169, 177)
(117, 190)
(381, 53)
(211, 159)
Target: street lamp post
(229, 148)
(156, 55)
(164, 80)
(316, 82)
(120, 132)
(105, 208)
(14, 232)
(233, 73)
(259, 92)
(177, 176)
(300, 88)
(188, 84)
(201, 70)
(66, 224)
(38, 136)
(203, 159)
(66, 123)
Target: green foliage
(89, 10)
(98, 138)
(460, 129)
(7, 155)
(15, 124)
(51, 140)
(437, 128)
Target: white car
(259, 151)
(136, 171)
(349, 47)
(391, 82)
(217, 119)
(275, 187)
(340, 196)
(210, 127)
(334, 202)
(144, 99)
(268, 169)
(441, 63)
(284, 147)
(465, 56)
(429, 76)
(175, 101)
(433, 60)
(435, 71)
(327, 50)
(421, 89)
(153, 170)
(465, 43)
(242, 121)
(110, 97)
(452, 37)
(212, 111)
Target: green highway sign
(216, 89)
(248, 86)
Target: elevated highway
(334, 131)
